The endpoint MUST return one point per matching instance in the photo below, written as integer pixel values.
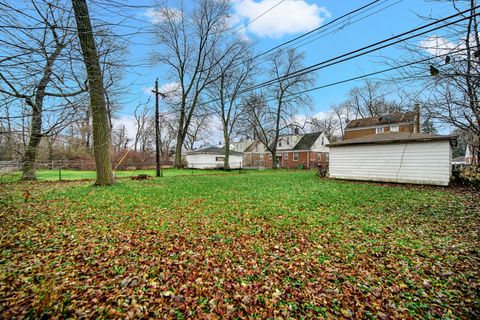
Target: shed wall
(208, 161)
(415, 162)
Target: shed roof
(408, 117)
(392, 137)
(307, 141)
(214, 150)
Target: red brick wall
(366, 132)
(308, 162)
(252, 160)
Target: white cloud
(157, 16)
(147, 90)
(289, 17)
(171, 89)
(438, 46)
(129, 123)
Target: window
(379, 130)
(394, 128)
(261, 157)
(280, 144)
(285, 155)
(270, 156)
(323, 141)
(295, 156)
(219, 158)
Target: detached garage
(402, 157)
(213, 158)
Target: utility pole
(157, 129)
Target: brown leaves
(76, 251)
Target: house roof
(458, 159)
(385, 119)
(215, 151)
(307, 141)
(392, 137)
(252, 146)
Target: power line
(311, 32)
(259, 16)
(358, 52)
(315, 30)
(373, 74)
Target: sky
(283, 21)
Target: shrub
(470, 176)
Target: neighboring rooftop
(458, 160)
(307, 141)
(392, 137)
(407, 117)
(214, 150)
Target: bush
(470, 176)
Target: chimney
(416, 127)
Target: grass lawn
(265, 245)
(53, 175)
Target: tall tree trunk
(28, 161)
(226, 159)
(100, 120)
(180, 139)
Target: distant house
(293, 151)
(394, 122)
(459, 161)
(404, 157)
(471, 155)
(254, 154)
(213, 158)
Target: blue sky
(288, 20)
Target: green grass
(54, 175)
(271, 244)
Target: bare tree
(449, 80)
(188, 38)
(272, 118)
(198, 130)
(236, 72)
(101, 128)
(119, 138)
(142, 119)
(369, 100)
(39, 68)
(329, 124)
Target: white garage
(401, 157)
(213, 158)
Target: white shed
(401, 157)
(213, 158)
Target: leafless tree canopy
(189, 40)
(283, 102)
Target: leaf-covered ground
(266, 245)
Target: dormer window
(379, 130)
(394, 128)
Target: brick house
(394, 122)
(293, 151)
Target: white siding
(208, 161)
(318, 147)
(414, 162)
